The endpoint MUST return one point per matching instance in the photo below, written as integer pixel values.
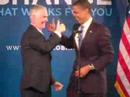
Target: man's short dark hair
(82, 3)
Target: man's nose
(46, 19)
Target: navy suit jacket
(37, 59)
(96, 49)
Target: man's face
(40, 18)
(80, 14)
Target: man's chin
(43, 26)
(78, 21)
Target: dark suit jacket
(96, 48)
(37, 59)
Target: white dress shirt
(84, 27)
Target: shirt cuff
(91, 66)
(58, 33)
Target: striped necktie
(81, 35)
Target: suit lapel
(36, 32)
(88, 33)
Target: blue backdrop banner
(14, 21)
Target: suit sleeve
(45, 46)
(69, 42)
(106, 50)
(52, 80)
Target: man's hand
(56, 27)
(58, 86)
(60, 27)
(83, 71)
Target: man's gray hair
(35, 8)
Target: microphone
(76, 29)
(77, 34)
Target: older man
(37, 76)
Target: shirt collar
(87, 23)
(39, 30)
(84, 27)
